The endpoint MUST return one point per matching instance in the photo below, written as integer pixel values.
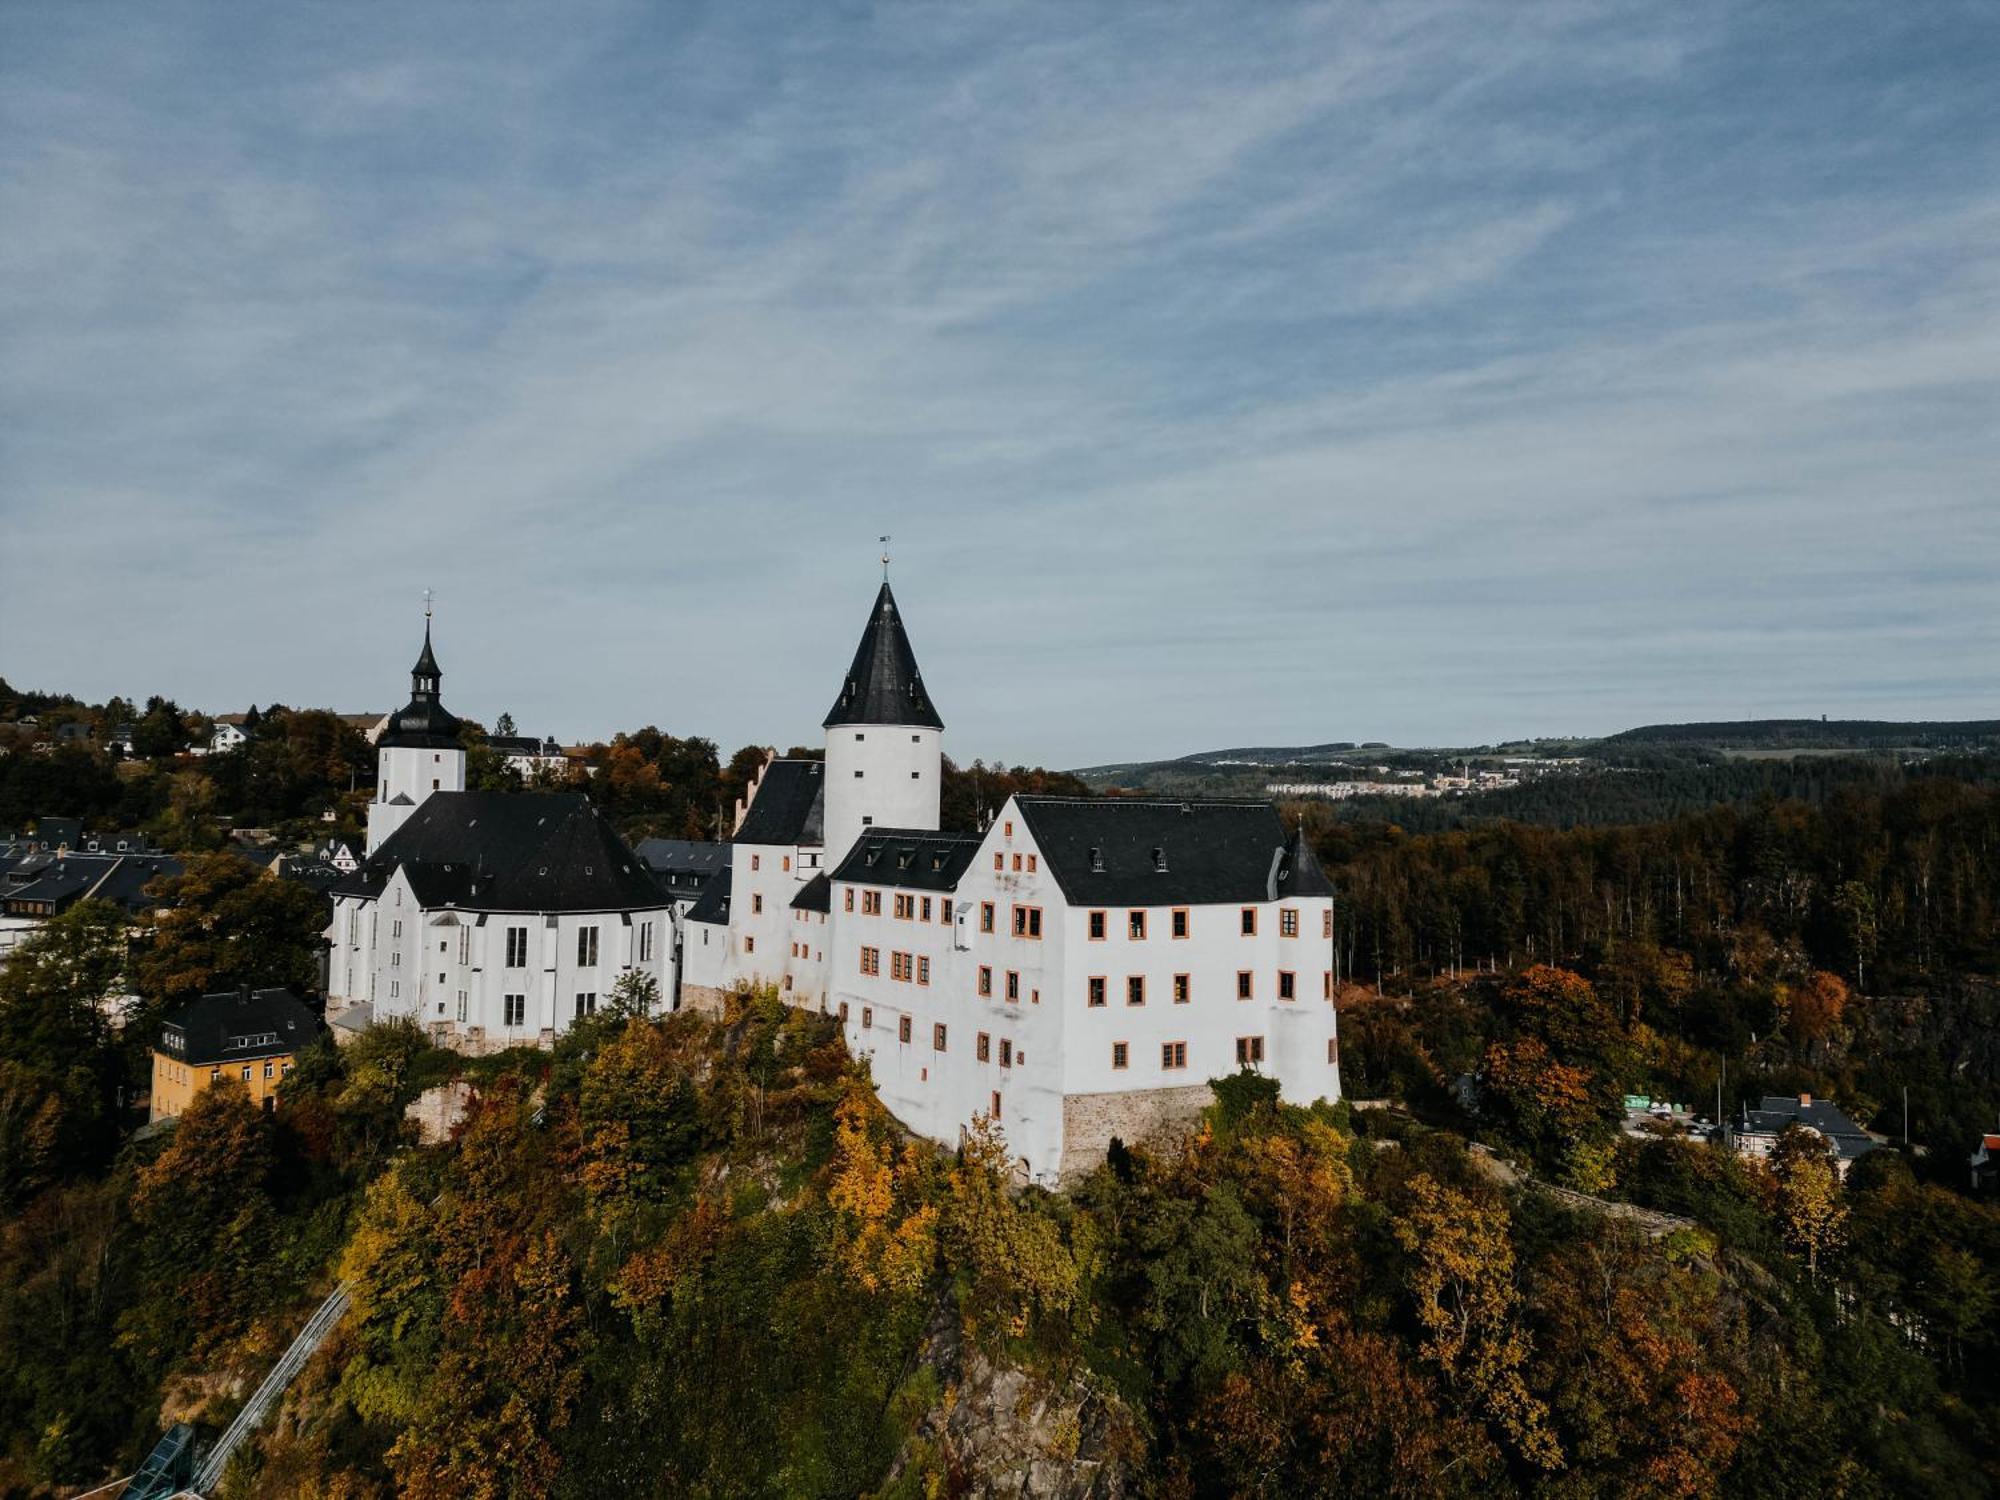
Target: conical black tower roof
(422, 723)
(884, 686)
(1303, 875)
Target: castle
(1075, 972)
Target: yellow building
(252, 1036)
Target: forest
(693, 1256)
(683, 1255)
(297, 764)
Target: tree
(877, 1249)
(1013, 1262)
(390, 1267)
(1812, 1213)
(205, 1211)
(1813, 1010)
(639, 1117)
(162, 732)
(226, 923)
(635, 995)
(58, 985)
(1461, 1278)
(60, 1067)
(504, 725)
(1854, 908)
(1549, 1104)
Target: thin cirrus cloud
(1432, 372)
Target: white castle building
(1076, 972)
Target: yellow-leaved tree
(1461, 1277)
(1812, 1210)
(880, 1247)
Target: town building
(491, 919)
(38, 884)
(1080, 970)
(1985, 1164)
(530, 757)
(252, 1037)
(229, 732)
(683, 867)
(1755, 1133)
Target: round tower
(884, 739)
(418, 752)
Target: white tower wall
(880, 776)
(412, 772)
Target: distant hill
(1814, 734)
(1244, 770)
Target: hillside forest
(682, 1255)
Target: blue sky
(1427, 372)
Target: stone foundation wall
(1090, 1121)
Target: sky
(1225, 374)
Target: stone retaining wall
(706, 999)
(1090, 1121)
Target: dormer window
(1159, 860)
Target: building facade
(246, 1036)
(490, 919)
(1077, 972)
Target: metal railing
(209, 1473)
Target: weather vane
(885, 558)
(429, 595)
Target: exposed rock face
(437, 1112)
(998, 1430)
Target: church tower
(884, 739)
(418, 753)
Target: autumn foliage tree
(1460, 1277)
(1811, 1207)
(223, 922)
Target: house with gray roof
(1755, 1132)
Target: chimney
(1805, 1101)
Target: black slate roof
(58, 833)
(788, 805)
(1119, 851)
(920, 859)
(683, 867)
(713, 904)
(1777, 1111)
(423, 723)
(237, 1026)
(695, 855)
(815, 895)
(883, 686)
(1299, 873)
(43, 884)
(512, 852)
(314, 874)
